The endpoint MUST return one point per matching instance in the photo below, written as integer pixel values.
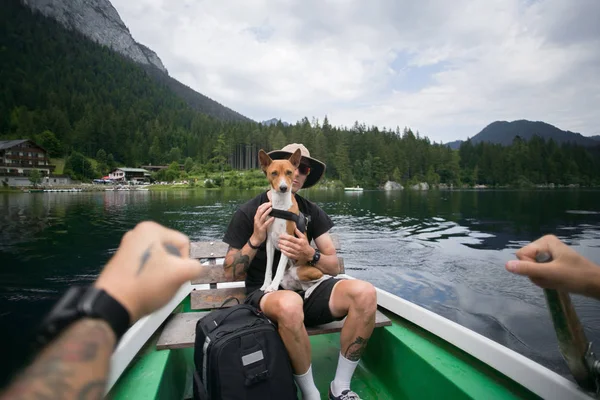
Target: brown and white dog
(280, 174)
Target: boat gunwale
(531, 375)
(528, 373)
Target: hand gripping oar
(573, 344)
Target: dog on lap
(328, 299)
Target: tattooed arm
(237, 261)
(73, 367)
(149, 267)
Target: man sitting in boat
(332, 299)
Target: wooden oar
(572, 341)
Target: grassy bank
(253, 179)
(60, 165)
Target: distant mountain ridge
(504, 132)
(274, 121)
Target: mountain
(455, 145)
(503, 132)
(60, 87)
(99, 21)
(274, 121)
(595, 137)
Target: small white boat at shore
(353, 189)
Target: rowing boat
(413, 354)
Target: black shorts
(316, 307)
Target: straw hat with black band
(317, 168)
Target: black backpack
(238, 354)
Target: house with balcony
(134, 175)
(19, 157)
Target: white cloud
(475, 61)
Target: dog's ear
(295, 158)
(264, 160)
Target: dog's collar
(300, 220)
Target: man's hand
(146, 272)
(296, 248)
(568, 270)
(262, 221)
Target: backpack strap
(222, 316)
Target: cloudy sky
(444, 68)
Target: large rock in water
(391, 185)
(100, 21)
(420, 186)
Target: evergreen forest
(81, 100)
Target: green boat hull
(402, 361)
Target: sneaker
(346, 395)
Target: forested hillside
(77, 98)
(88, 96)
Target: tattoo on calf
(356, 348)
(144, 259)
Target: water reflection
(446, 252)
(442, 250)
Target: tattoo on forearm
(92, 391)
(144, 259)
(356, 348)
(240, 261)
(69, 367)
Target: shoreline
(328, 186)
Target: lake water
(443, 250)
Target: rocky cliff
(100, 21)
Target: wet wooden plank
(180, 331)
(336, 326)
(212, 249)
(214, 298)
(216, 274)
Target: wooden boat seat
(179, 331)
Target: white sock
(307, 385)
(343, 375)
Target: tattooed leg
(356, 348)
(357, 300)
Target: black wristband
(253, 246)
(96, 303)
(78, 303)
(315, 259)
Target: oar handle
(572, 341)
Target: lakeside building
(129, 175)
(18, 158)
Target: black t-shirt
(241, 228)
